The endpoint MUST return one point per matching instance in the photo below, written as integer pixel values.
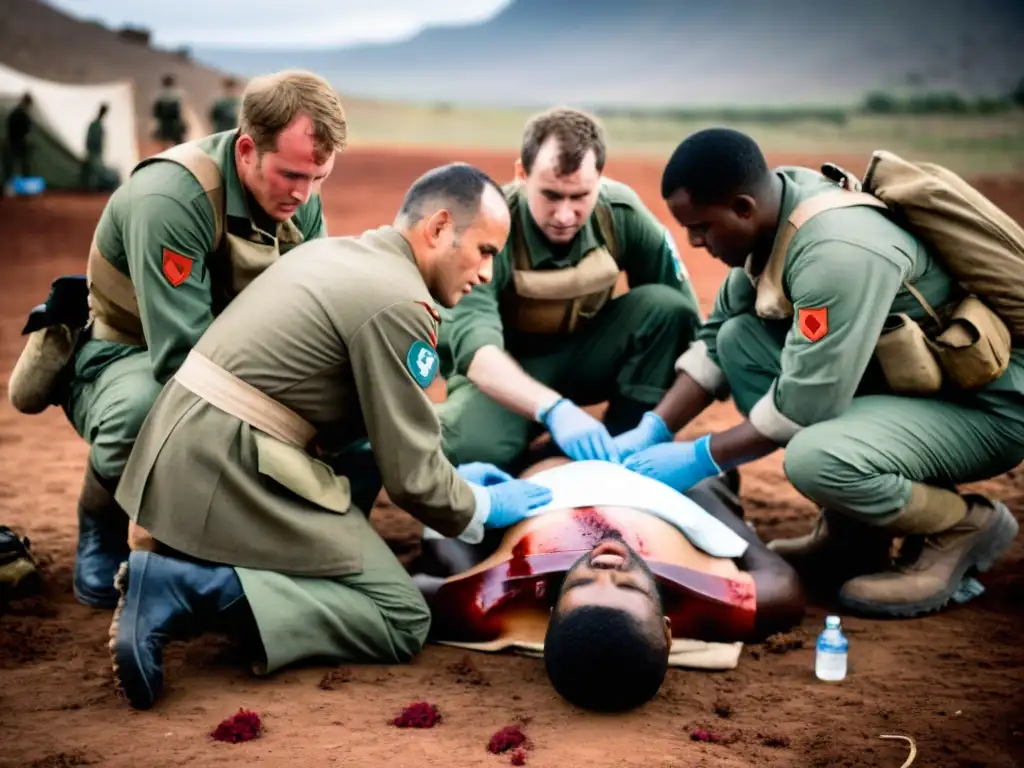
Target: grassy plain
(967, 144)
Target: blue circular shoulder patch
(422, 362)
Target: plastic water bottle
(830, 658)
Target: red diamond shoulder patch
(813, 322)
(176, 268)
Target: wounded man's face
(613, 575)
(607, 643)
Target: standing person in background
(17, 152)
(167, 111)
(224, 112)
(95, 137)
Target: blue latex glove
(650, 431)
(513, 500)
(482, 473)
(679, 465)
(578, 433)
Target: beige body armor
(983, 249)
(233, 263)
(558, 301)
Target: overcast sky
(279, 23)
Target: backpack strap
(808, 209)
(771, 299)
(606, 225)
(208, 174)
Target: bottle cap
(832, 622)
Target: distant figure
(17, 151)
(224, 112)
(95, 176)
(170, 124)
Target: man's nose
(486, 270)
(301, 191)
(565, 214)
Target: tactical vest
(559, 301)
(233, 263)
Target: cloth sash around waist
(242, 400)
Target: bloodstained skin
(713, 607)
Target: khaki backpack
(979, 245)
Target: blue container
(28, 185)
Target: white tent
(63, 112)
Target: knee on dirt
(120, 425)
(814, 464)
(663, 308)
(409, 627)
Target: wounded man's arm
(781, 603)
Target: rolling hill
(672, 52)
(41, 41)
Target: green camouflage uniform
(850, 444)
(624, 354)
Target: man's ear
(744, 206)
(520, 172)
(668, 630)
(435, 226)
(246, 147)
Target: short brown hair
(576, 132)
(271, 102)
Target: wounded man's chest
(583, 528)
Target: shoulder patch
(682, 274)
(176, 268)
(813, 322)
(422, 361)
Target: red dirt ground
(953, 681)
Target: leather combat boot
(932, 564)
(165, 599)
(102, 542)
(838, 549)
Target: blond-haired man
(190, 228)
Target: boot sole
(984, 553)
(124, 655)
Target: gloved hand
(679, 465)
(650, 431)
(513, 500)
(482, 473)
(578, 433)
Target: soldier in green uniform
(169, 114)
(187, 231)
(545, 335)
(95, 138)
(333, 343)
(224, 111)
(17, 152)
(881, 465)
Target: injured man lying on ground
(616, 579)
